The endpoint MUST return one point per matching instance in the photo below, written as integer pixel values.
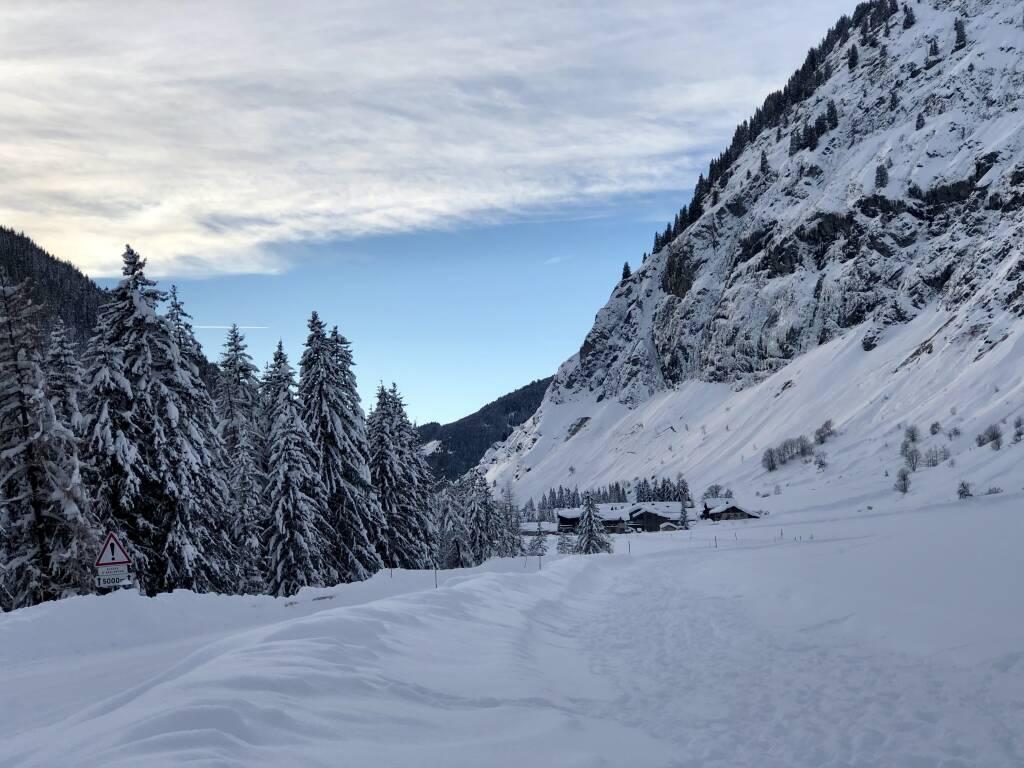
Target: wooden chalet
(717, 510)
(614, 516)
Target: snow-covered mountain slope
(885, 638)
(819, 268)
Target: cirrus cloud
(207, 134)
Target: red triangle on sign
(112, 553)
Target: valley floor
(829, 638)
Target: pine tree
(853, 57)
(626, 271)
(481, 518)
(326, 409)
(566, 545)
(908, 16)
(510, 541)
(591, 537)
(47, 530)
(200, 553)
(298, 544)
(832, 115)
(453, 540)
(538, 544)
(402, 479)
(63, 378)
(152, 442)
(684, 516)
(881, 176)
(961, 34)
(920, 120)
(764, 169)
(237, 401)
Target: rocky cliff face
(889, 190)
(912, 193)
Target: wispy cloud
(204, 134)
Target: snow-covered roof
(663, 508)
(720, 502)
(616, 511)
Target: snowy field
(835, 637)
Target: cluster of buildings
(652, 516)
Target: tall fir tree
(152, 445)
(538, 544)
(47, 530)
(63, 377)
(237, 404)
(402, 479)
(482, 518)
(326, 410)
(591, 537)
(453, 548)
(298, 543)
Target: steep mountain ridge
(58, 287)
(895, 189)
(453, 449)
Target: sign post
(112, 564)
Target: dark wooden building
(717, 510)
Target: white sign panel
(112, 564)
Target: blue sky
(455, 184)
(455, 317)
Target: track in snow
(657, 659)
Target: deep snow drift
(886, 636)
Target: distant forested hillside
(465, 441)
(56, 286)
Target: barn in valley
(726, 509)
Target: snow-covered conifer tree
(591, 537)
(452, 536)
(566, 546)
(237, 400)
(63, 377)
(49, 533)
(482, 519)
(538, 544)
(402, 479)
(297, 547)
(152, 444)
(330, 410)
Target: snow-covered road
(677, 654)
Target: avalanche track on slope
(820, 638)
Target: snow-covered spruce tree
(403, 482)
(48, 530)
(510, 540)
(334, 423)
(237, 401)
(201, 553)
(357, 463)
(482, 519)
(566, 546)
(452, 540)
(684, 516)
(538, 544)
(63, 377)
(300, 534)
(591, 537)
(154, 457)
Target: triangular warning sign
(112, 553)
